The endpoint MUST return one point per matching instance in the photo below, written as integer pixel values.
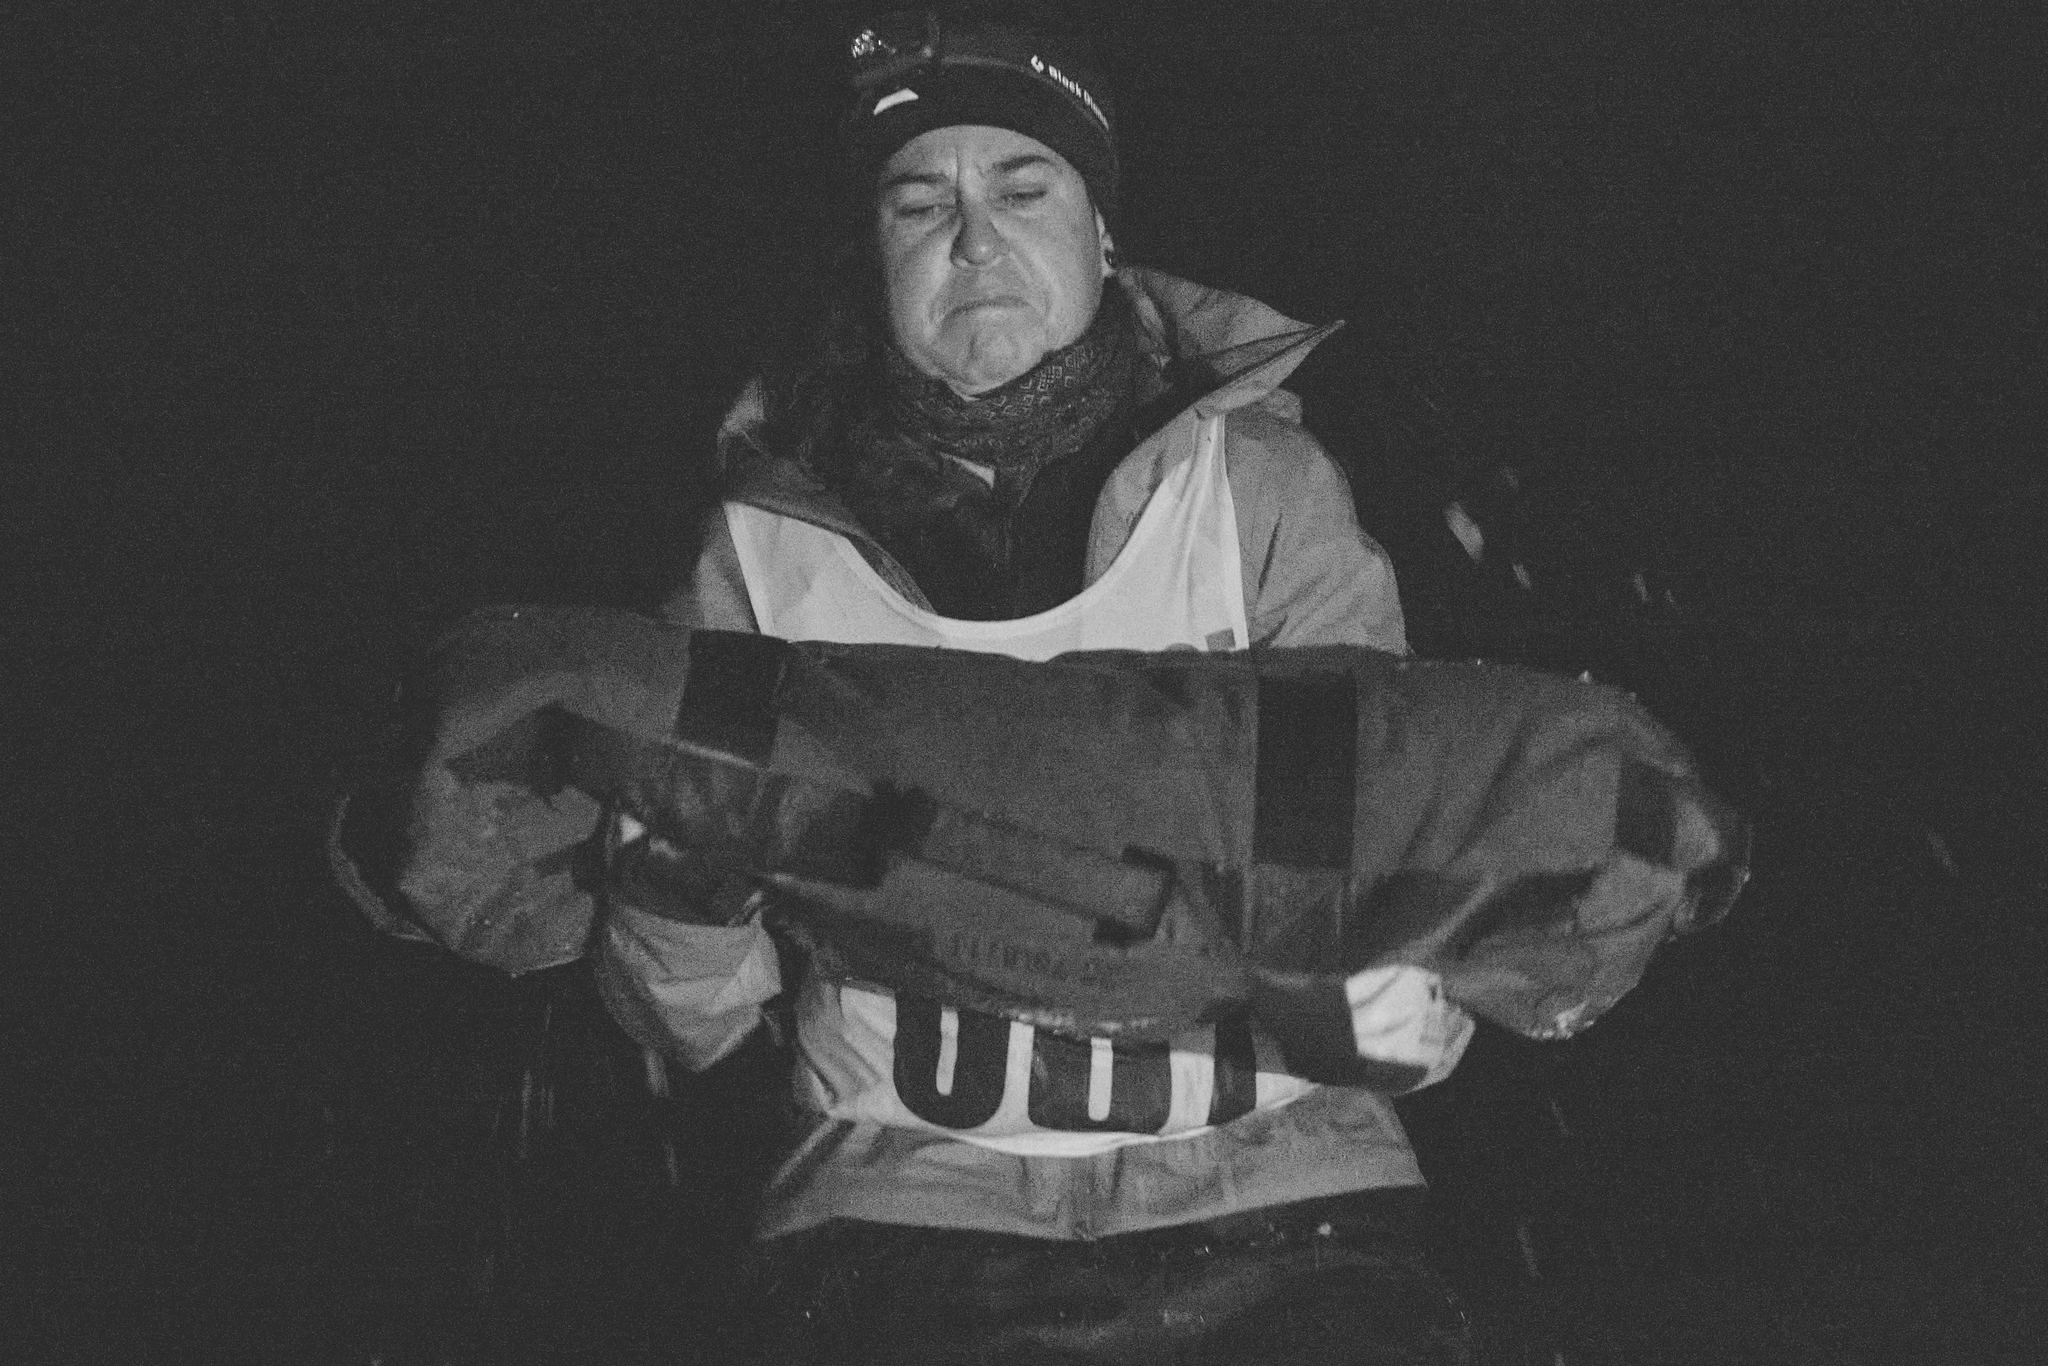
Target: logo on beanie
(1071, 86)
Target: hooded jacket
(1310, 577)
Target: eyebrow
(1007, 166)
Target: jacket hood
(1246, 348)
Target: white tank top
(1176, 584)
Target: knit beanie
(912, 73)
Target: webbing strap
(728, 702)
(724, 816)
(1311, 1018)
(1304, 792)
(935, 932)
(1123, 895)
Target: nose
(977, 244)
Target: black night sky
(323, 322)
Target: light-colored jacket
(1310, 576)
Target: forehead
(969, 147)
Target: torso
(867, 1056)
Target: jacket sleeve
(1312, 576)
(691, 990)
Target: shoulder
(1277, 465)
(1312, 574)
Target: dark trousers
(1338, 1280)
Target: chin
(992, 366)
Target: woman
(997, 440)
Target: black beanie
(1043, 86)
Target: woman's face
(992, 254)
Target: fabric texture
(1006, 537)
(1039, 85)
(1343, 1279)
(1016, 429)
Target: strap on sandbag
(730, 697)
(1306, 778)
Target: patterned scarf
(1051, 435)
(1047, 413)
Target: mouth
(993, 301)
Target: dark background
(322, 321)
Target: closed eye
(917, 205)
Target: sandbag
(1107, 844)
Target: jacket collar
(1249, 348)
(1246, 347)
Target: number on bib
(1075, 1084)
